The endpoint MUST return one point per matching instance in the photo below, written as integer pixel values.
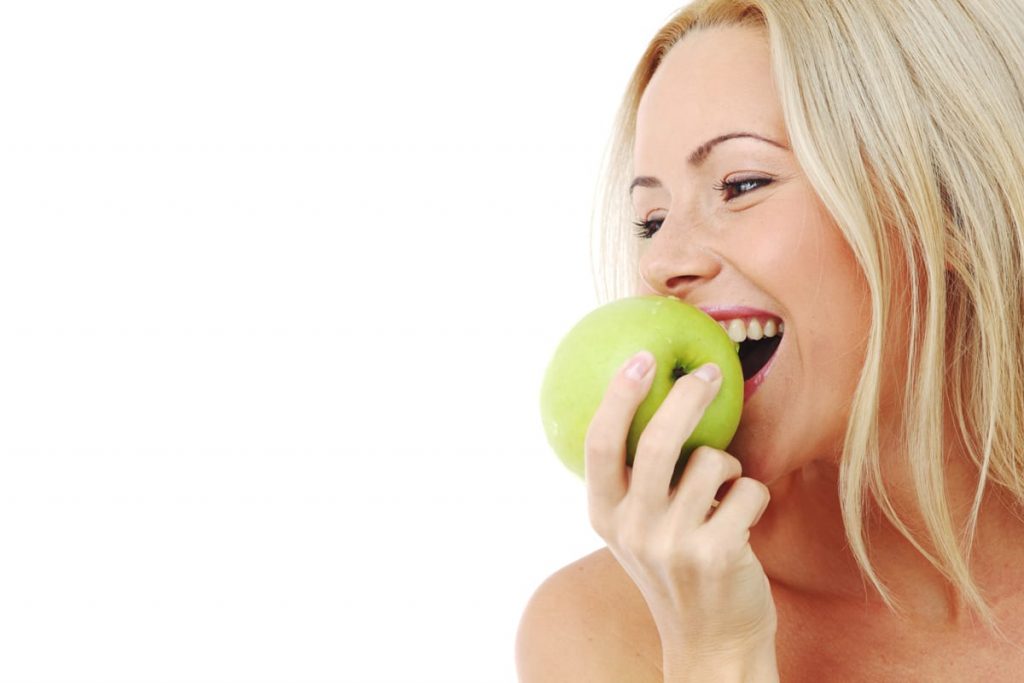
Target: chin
(759, 462)
(770, 458)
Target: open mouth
(759, 335)
(755, 354)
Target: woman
(852, 171)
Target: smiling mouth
(758, 334)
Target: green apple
(681, 339)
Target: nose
(676, 263)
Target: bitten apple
(681, 339)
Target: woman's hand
(705, 588)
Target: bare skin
(774, 247)
(817, 640)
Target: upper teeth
(742, 329)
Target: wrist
(755, 664)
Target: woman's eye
(646, 229)
(731, 190)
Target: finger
(741, 507)
(605, 443)
(705, 473)
(662, 440)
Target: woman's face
(733, 222)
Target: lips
(730, 312)
(756, 355)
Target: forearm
(754, 666)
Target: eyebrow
(698, 155)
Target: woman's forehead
(713, 81)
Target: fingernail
(639, 365)
(708, 372)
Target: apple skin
(680, 337)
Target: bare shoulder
(588, 622)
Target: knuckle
(596, 441)
(701, 455)
(665, 554)
(652, 435)
(707, 558)
(708, 463)
(624, 390)
(725, 465)
(599, 522)
(752, 488)
(732, 461)
(742, 486)
(602, 517)
(766, 495)
(729, 463)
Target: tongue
(754, 354)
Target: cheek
(835, 308)
(825, 298)
(834, 326)
(785, 239)
(828, 288)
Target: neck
(802, 546)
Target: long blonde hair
(907, 118)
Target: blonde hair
(907, 119)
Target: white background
(278, 285)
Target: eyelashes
(729, 190)
(734, 189)
(645, 229)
